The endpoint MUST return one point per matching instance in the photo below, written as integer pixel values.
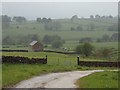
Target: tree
(14, 18)
(44, 20)
(110, 16)
(97, 16)
(91, 16)
(57, 43)
(85, 49)
(49, 20)
(19, 19)
(47, 39)
(79, 49)
(74, 18)
(39, 20)
(54, 40)
(5, 21)
(106, 53)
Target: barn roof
(33, 43)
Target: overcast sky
(31, 10)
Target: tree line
(6, 20)
(104, 38)
(75, 17)
(47, 22)
(19, 40)
(107, 38)
(50, 24)
(54, 40)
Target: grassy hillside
(71, 37)
(32, 27)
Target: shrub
(57, 43)
(85, 49)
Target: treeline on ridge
(53, 24)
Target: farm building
(35, 46)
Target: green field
(97, 45)
(71, 37)
(56, 63)
(66, 35)
(70, 45)
(53, 57)
(65, 32)
(107, 79)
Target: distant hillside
(65, 28)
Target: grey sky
(59, 9)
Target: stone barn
(35, 46)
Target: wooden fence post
(46, 59)
(77, 60)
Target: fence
(25, 60)
(98, 64)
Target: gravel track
(55, 80)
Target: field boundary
(41, 51)
(98, 64)
(13, 50)
(24, 60)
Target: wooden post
(46, 59)
(77, 60)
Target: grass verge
(106, 79)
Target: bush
(79, 49)
(104, 53)
(85, 49)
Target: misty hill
(66, 28)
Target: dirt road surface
(55, 80)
